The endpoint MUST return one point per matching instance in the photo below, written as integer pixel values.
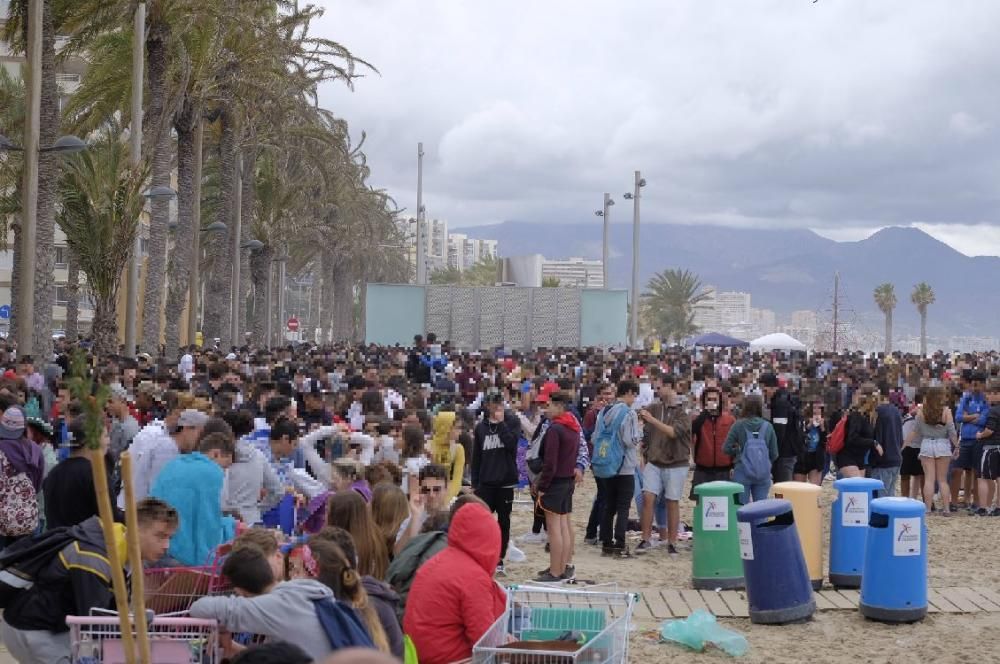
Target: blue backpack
(609, 452)
(756, 459)
(342, 625)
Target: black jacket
(494, 452)
(73, 582)
(785, 420)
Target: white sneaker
(514, 554)
(533, 538)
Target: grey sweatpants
(35, 646)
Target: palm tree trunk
(343, 304)
(888, 332)
(179, 272)
(157, 59)
(325, 315)
(247, 214)
(923, 332)
(219, 288)
(73, 296)
(105, 327)
(260, 263)
(314, 305)
(48, 173)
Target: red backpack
(835, 443)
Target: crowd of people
(362, 495)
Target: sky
(838, 115)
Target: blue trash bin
(894, 581)
(777, 580)
(849, 529)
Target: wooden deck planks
(661, 604)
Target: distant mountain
(786, 270)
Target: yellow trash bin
(804, 498)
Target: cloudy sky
(840, 115)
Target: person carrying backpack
(616, 440)
(754, 446)
(66, 571)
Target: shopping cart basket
(543, 625)
(173, 640)
(171, 590)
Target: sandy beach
(959, 551)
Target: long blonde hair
(336, 571)
(389, 509)
(350, 511)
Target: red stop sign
(293, 324)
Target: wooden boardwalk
(657, 604)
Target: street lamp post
(421, 250)
(634, 317)
(236, 255)
(135, 157)
(606, 213)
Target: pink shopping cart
(173, 640)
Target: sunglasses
(431, 489)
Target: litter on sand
(701, 629)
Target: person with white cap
(183, 438)
(21, 469)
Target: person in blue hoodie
(192, 483)
(971, 415)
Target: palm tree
(922, 297)
(885, 298)
(550, 282)
(101, 200)
(669, 301)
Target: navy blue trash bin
(849, 529)
(894, 581)
(777, 580)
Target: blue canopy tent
(718, 340)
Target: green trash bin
(716, 562)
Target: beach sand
(960, 553)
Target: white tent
(776, 341)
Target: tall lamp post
(421, 249)
(634, 196)
(606, 213)
(135, 156)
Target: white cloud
(769, 113)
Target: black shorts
(703, 475)
(910, 465)
(810, 461)
(989, 464)
(559, 497)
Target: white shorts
(666, 481)
(935, 448)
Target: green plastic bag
(700, 629)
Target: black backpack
(21, 562)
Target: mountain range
(787, 270)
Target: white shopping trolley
(546, 625)
(173, 640)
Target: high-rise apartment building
(575, 271)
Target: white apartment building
(762, 321)
(575, 271)
(722, 311)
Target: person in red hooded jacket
(454, 599)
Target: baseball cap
(231, 356)
(191, 418)
(12, 423)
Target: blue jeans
(888, 477)
(659, 508)
(755, 490)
